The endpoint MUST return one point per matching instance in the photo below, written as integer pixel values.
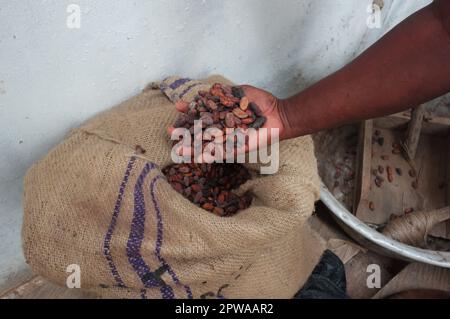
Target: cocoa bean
(184, 169)
(207, 120)
(181, 120)
(227, 101)
(378, 181)
(210, 185)
(216, 117)
(230, 120)
(255, 108)
(198, 198)
(389, 170)
(260, 121)
(390, 178)
(196, 188)
(222, 115)
(243, 104)
(178, 187)
(208, 206)
(211, 105)
(237, 92)
(216, 90)
(239, 113)
(248, 120)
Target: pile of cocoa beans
(210, 186)
(221, 107)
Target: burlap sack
(96, 202)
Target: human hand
(265, 105)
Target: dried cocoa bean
(239, 113)
(255, 108)
(389, 170)
(230, 120)
(216, 117)
(216, 90)
(208, 206)
(243, 104)
(222, 115)
(227, 101)
(260, 121)
(211, 105)
(390, 178)
(237, 92)
(378, 181)
(207, 120)
(181, 120)
(247, 121)
(178, 187)
(210, 185)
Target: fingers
(170, 130)
(182, 106)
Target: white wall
(52, 78)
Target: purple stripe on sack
(112, 225)
(159, 238)
(179, 83)
(136, 238)
(190, 87)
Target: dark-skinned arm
(408, 66)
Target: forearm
(408, 66)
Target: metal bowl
(328, 147)
(377, 241)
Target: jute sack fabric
(99, 200)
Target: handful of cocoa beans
(210, 185)
(221, 107)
